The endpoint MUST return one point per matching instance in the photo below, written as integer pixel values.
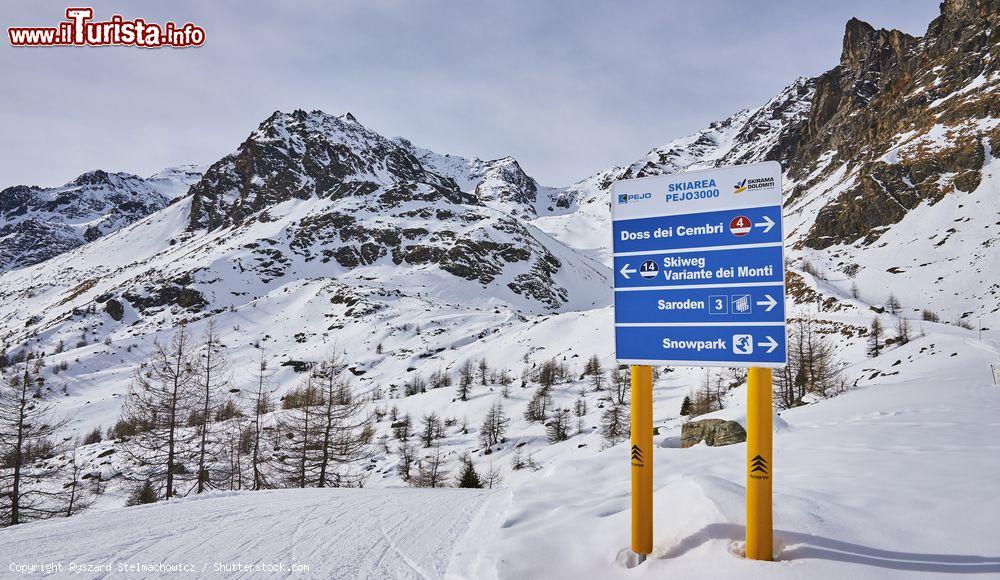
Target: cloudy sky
(567, 87)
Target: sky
(567, 87)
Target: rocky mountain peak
(866, 48)
(505, 181)
(96, 177)
(905, 116)
(299, 155)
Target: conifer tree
(345, 432)
(558, 428)
(260, 456)
(686, 406)
(469, 477)
(614, 424)
(484, 369)
(212, 379)
(432, 470)
(432, 430)
(27, 425)
(875, 337)
(902, 331)
(539, 405)
(494, 427)
(163, 392)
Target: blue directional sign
(699, 268)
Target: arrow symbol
(770, 343)
(758, 463)
(626, 270)
(767, 224)
(770, 302)
(636, 453)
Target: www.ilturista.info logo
(633, 197)
(753, 184)
(79, 29)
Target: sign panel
(699, 272)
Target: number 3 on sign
(718, 304)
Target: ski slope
(890, 480)
(333, 533)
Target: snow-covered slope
(888, 480)
(174, 182)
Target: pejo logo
(633, 197)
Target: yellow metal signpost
(642, 459)
(760, 466)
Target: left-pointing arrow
(770, 343)
(626, 270)
(767, 224)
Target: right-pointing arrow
(769, 303)
(770, 343)
(767, 224)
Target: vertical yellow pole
(759, 465)
(642, 459)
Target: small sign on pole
(699, 280)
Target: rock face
(38, 223)
(714, 432)
(909, 117)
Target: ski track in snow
(338, 533)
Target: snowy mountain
(39, 223)
(499, 183)
(891, 148)
(318, 235)
(339, 237)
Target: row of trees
(189, 429)
(813, 368)
(877, 339)
(470, 373)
